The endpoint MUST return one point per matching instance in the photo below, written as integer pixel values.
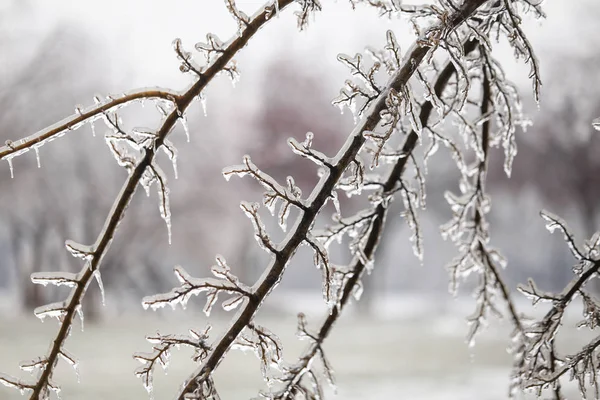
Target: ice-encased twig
(76, 120)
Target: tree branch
(319, 196)
(15, 148)
(377, 225)
(182, 102)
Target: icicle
(79, 311)
(171, 152)
(100, 285)
(203, 102)
(72, 361)
(336, 203)
(37, 155)
(163, 196)
(183, 120)
(233, 303)
(10, 165)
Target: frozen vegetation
(445, 92)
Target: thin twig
(75, 120)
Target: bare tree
(449, 69)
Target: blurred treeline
(45, 73)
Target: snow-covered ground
(411, 356)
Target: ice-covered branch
(304, 149)
(295, 374)
(265, 344)
(161, 353)
(226, 283)
(137, 170)
(542, 366)
(522, 46)
(17, 147)
(317, 199)
(289, 195)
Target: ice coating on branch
(162, 346)
(59, 278)
(596, 124)
(336, 202)
(226, 283)
(321, 261)
(212, 49)
(22, 386)
(232, 72)
(72, 361)
(266, 346)
(238, 170)
(33, 366)
(260, 232)
(553, 222)
(305, 150)
(164, 107)
(79, 250)
(238, 15)
(163, 194)
(286, 195)
(56, 310)
(188, 65)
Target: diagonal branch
(124, 197)
(12, 149)
(377, 226)
(318, 197)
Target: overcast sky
(138, 33)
